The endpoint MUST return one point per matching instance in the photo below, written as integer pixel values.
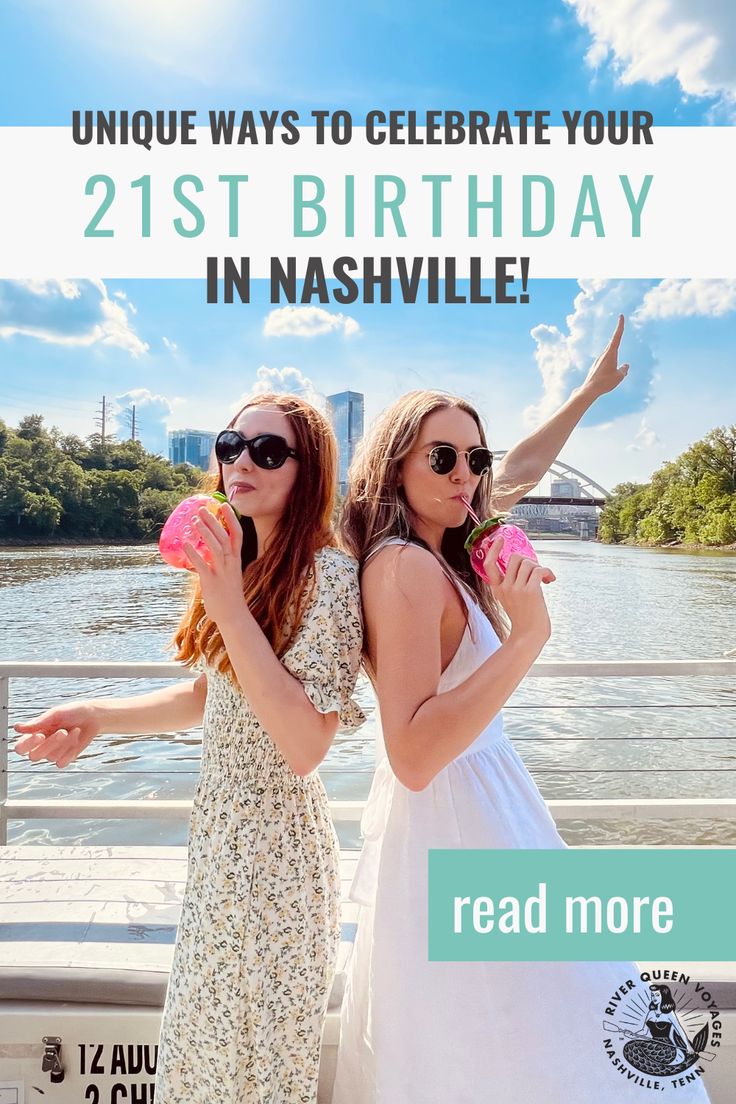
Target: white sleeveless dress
(420, 1032)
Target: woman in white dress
(444, 660)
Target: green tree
(613, 528)
(113, 498)
(127, 455)
(691, 499)
(155, 507)
(31, 428)
(55, 483)
(42, 511)
(72, 446)
(718, 522)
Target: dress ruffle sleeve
(325, 655)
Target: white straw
(470, 510)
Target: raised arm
(301, 725)
(527, 462)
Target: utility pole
(130, 415)
(101, 420)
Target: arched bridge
(591, 493)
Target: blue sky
(62, 346)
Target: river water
(663, 737)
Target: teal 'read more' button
(582, 905)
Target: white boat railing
(676, 808)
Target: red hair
(274, 585)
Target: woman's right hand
(60, 734)
(520, 591)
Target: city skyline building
(191, 446)
(556, 517)
(566, 488)
(346, 413)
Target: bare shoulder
(403, 605)
(400, 575)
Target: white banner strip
(685, 220)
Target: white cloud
(282, 381)
(653, 40)
(644, 438)
(66, 312)
(141, 396)
(170, 345)
(675, 298)
(124, 299)
(115, 330)
(565, 354)
(67, 289)
(564, 359)
(151, 414)
(307, 322)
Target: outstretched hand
(60, 734)
(220, 579)
(605, 375)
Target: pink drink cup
(514, 540)
(179, 531)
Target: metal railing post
(4, 748)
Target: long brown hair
(375, 506)
(274, 585)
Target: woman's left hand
(605, 375)
(221, 580)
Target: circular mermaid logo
(662, 1030)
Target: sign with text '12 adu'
(582, 905)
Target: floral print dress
(260, 922)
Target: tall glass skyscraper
(191, 446)
(346, 414)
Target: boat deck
(97, 925)
(87, 933)
(87, 936)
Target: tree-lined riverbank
(57, 489)
(690, 502)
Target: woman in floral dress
(274, 627)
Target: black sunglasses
(266, 450)
(443, 458)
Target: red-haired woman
(274, 626)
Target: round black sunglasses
(266, 450)
(443, 458)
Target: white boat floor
(98, 925)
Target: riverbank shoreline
(72, 542)
(103, 542)
(19, 543)
(679, 546)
